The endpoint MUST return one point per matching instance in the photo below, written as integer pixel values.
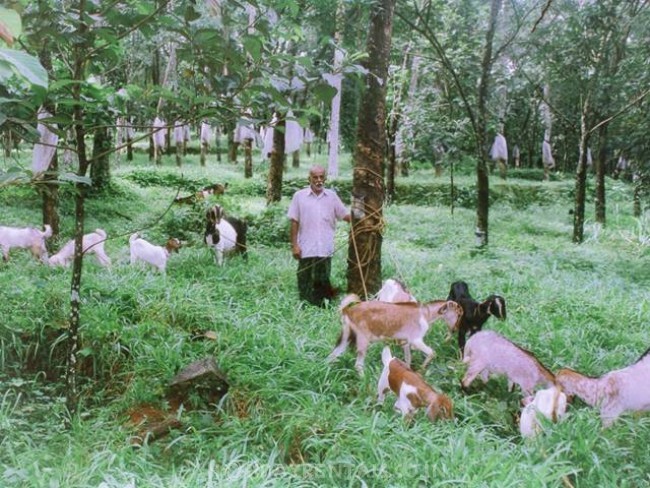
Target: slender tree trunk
(50, 189)
(217, 143)
(393, 126)
(364, 249)
(601, 166)
(482, 178)
(248, 158)
(581, 178)
(276, 167)
(100, 169)
(72, 392)
(129, 139)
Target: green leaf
(24, 65)
(11, 21)
(75, 178)
(324, 92)
(253, 46)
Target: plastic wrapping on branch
(46, 147)
(159, 133)
(547, 155)
(308, 136)
(206, 133)
(292, 135)
(499, 151)
(179, 132)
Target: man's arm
(295, 248)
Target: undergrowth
(289, 418)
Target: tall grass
(290, 419)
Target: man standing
(313, 212)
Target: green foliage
(289, 418)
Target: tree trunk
(364, 249)
(72, 392)
(129, 140)
(581, 179)
(601, 167)
(482, 179)
(276, 167)
(337, 78)
(248, 158)
(49, 190)
(100, 169)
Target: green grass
(289, 418)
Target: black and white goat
(225, 234)
(475, 314)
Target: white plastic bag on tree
(308, 135)
(159, 133)
(292, 135)
(547, 155)
(46, 147)
(179, 132)
(499, 151)
(206, 133)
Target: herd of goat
(223, 234)
(395, 314)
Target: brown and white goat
(487, 352)
(551, 403)
(93, 243)
(156, 256)
(25, 237)
(411, 390)
(372, 321)
(618, 391)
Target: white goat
(371, 321)
(615, 392)
(156, 256)
(551, 403)
(25, 237)
(93, 243)
(411, 390)
(394, 291)
(487, 352)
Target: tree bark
(49, 190)
(248, 158)
(482, 179)
(72, 392)
(364, 249)
(100, 169)
(276, 168)
(581, 178)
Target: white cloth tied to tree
(308, 136)
(499, 151)
(187, 133)
(179, 132)
(206, 133)
(590, 162)
(547, 155)
(244, 131)
(46, 147)
(159, 133)
(292, 135)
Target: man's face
(317, 180)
